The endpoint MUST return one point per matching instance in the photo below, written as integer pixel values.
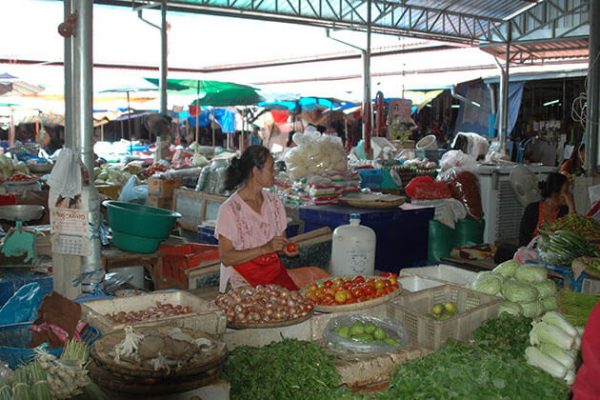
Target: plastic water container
(353, 249)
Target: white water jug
(353, 249)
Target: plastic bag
(65, 178)
(134, 193)
(471, 143)
(527, 253)
(393, 330)
(23, 305)
(426, 188)
(315, 154)
(465, 188)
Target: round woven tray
(101, 349)
(264, 325)
(371, 200)
(355, 306)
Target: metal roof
(467, 21)
(525, 52)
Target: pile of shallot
(271, 303)
(161, 310)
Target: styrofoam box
(205, 316)
(443, 273)
(416, 283)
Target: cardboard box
(162, 188)
(159, 202)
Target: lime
(437, 309)
(344, 331)
(391, 342)
(370, 327)
(451, 308)
(363, 337)
(357, 328)
(379, 334)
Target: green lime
(391, 342)
(343, 331)
(437, 309)
(363, 337)
(357, 328)
(379, 334)
(370, 327)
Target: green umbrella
(232, 97)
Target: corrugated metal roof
(543, 50)
(490, 9)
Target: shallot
(161, 310)
(263, 304)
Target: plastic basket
(176, 260)
(413, 310)
(15, 339)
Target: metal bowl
(21, 212)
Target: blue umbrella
(308, 103)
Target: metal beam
(592, 128)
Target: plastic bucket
(469, 232)
(429, 142)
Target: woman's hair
(241, 168)
(553, 184)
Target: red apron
(540, 221)
(265, 270)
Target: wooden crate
(413, 310)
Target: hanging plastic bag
(133, 193)
(527, 253)
(23, 305)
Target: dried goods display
(160, 311)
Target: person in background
(557, 201)
(251, 225)
(587, 380)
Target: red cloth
(265, 270)
(587, 381)
(194, 110)
(279, 117)
(8, 199)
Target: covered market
(312, 199)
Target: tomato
(313, 287)
(379, 284)
(380, 293)
(328, 299)
(292, 248)
(357, 292)
(358, 279)
(350, 301)
(310, 294)
(395, 285)
(347, 285)
(387, 283)
(369, 290)
(328, 283)
(392, 279)
(389, 290)
(337, 282)
(341, 297)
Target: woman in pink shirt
(251, 224)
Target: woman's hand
(276, 244)
(291, 249)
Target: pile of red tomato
(21, 177)
(350, 290)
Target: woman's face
(266, 176)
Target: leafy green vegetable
(461, 371)
(286, 370)
(543, 332)
(519, 292)
(531, 274)
(549, 303)
(576, 307)
(488, 282)
(537, 358)
(546, 288)
(531, 308)
(554, 318)
(565, 357)
(508, 334)
(507, 269)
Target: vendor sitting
(251, 225)
(557, 201)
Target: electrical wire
(579, 105)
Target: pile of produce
(562, 247)
(111, 175)
(462, 371)
(271, 303)
(21, 177)
(315, 155)
(168, 350)
(290, 370)
(585, 226)
(8, 167)
(526, 289)
(28, 382)
(577, 307)
(162, 310)
(350, 290)
(555, 345)
(444, 311)
(66, 376)
(365, 332)
(507, 334)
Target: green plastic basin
(134, 244)
(138, 220)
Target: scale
(20, 240)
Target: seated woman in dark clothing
(557, 201)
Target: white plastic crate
(443, 273)
(590, 286)
(416, 283)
